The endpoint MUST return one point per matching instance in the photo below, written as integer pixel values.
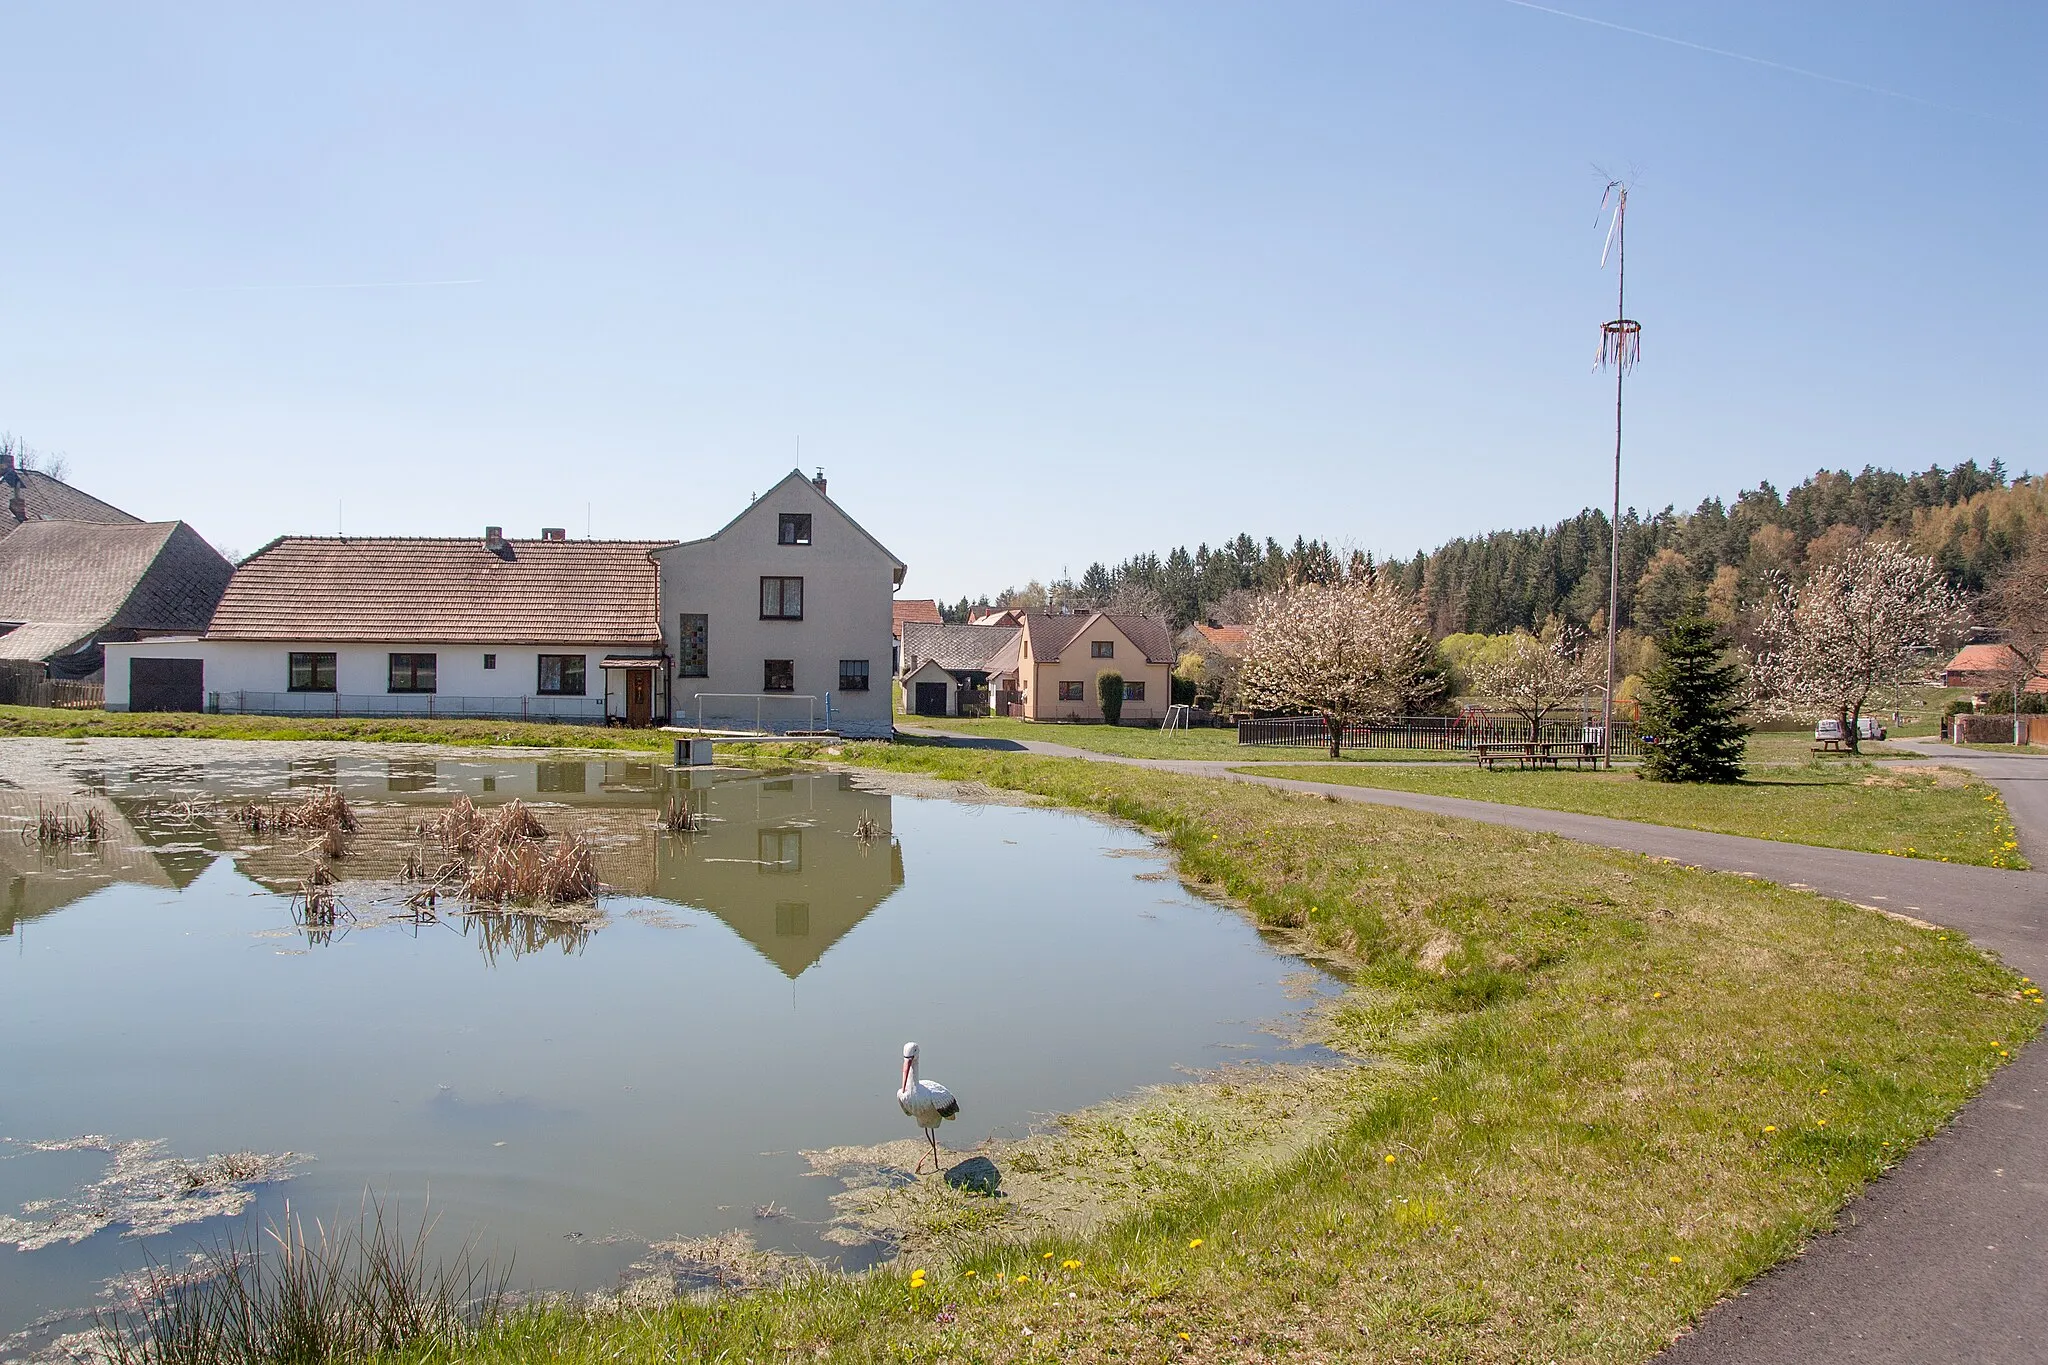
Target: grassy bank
(48, 722)
(1131, 741)
(1941, 813)
(1596, 1096)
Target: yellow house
(1060, 656)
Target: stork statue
(930, 1103)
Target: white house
(548, 629)
(782, 618)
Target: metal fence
(565, 710)
(1433, 732)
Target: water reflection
(790, 862)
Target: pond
(563, 1093)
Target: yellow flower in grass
(1390, 1158)
(1183, 1336)
(1194, 1242)
(1070, 1265)
(1676, 1260)
(1023, 1279)
(1770, 1128)
(917, 1279)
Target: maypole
(1620, 348)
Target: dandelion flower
(972, 1273)
(1023, 1279)
(1046, 1257)
(1194, 1242)
(1770, 1128)
(1820, 1123)
(1183, 1336)
(1676, 1260)
(1070, 1265)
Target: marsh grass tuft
(59, 828)
(866, 830)
(349, 1294)
(326, 812)
(678, 818)
(506, 856)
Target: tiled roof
(1987, 667)
(904, 610)
(46, 499)
(445, 589)
(78, 579)
(954, 647)
(1227, 640)
(1050, 634)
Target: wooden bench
(1831, 746)
(1547, 754)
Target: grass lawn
(1131, 741)
(1941, 813)
(1796, 746)
(30, 720)
(1590, 1100)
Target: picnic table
(1537, 753)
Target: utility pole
(1620, 348)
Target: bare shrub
(60, 828)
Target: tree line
(1971, 521)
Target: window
(780, 850)
(412, 672)
(778, 675)
(782, 599)
(490, 661)
(1102, 649)
(312, 673)
(1134, 691)
(1070, 691)
(853, 675)
(561, 675)
(794, 529)
(693, 654)
(792, 919)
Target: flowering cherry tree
(1531, 676)
(1347, 651)
(1857, 629)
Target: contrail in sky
(1759, 61)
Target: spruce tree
(1693, 707)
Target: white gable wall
(849, 584)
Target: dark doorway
(166, 685)
(931, 699)
(639, 697)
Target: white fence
(568, 710)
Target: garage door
(166, 685)
(931, 699)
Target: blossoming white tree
(1530, 676)
(1347, 651)
(1857, 629)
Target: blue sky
(1036, 284)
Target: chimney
(17, 508)
(494, 539)
(553, 533)
(818, 479)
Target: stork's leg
(933, 1134)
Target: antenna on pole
(1621, 346)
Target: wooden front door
(640, 697)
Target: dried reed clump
(866, 830)
(59, 828)
(346, 1294)
(326, 811)
(678, 818)
(505, 856)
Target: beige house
(1060, 656)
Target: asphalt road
(1945, 1259)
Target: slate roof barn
(68, 587)
(29, 495)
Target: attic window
(794, 528)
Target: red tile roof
(1227, 640)
(1049, 634)
(445, 590)
(904, 610)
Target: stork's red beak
(906, 1074)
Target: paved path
(1944, 1259)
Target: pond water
(563, 1093)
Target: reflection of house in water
(777, 859)
(780, 863)
(36, 881)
